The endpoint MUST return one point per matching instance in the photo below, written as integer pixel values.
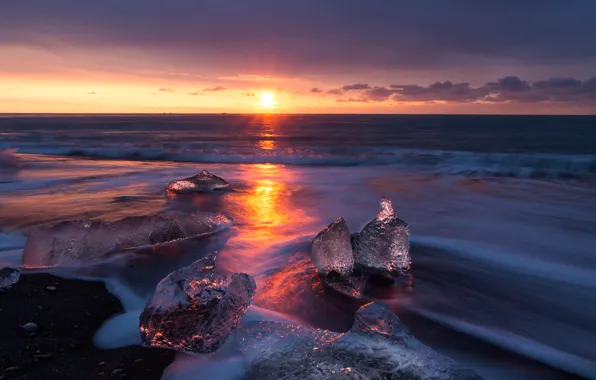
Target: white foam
(119, 331)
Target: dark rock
(30, 327)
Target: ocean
(502, 214)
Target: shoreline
(62, 346)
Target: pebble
(51, 288)
(43, 356)
(30, 327)
(119, 372)
(101, 363)
(138, 360)
(12, 369)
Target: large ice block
(194, 308)
(378, 346)
(331, 250)
(384, 243)
(71, 241)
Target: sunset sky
(311, 56)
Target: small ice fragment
(9, 277)
(384, 243)
(194, 308)
(332, 251)
(204, 182)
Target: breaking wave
(475, 164)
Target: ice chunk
(9, 277)
(204, 182)
(194, 308)
(384, 243)
(68, 242)
(331, 250)
(378, 346)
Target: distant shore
(67, 315)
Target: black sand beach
(62, 346)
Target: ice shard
(378, 346)
(384, 243)
(332, 251)
(9, 277)
(71, 241)
(194, 309)
(204, 182)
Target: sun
(267, 100)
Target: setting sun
(267, 99)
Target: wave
(474, 164)
(8, 159)
(520, 344)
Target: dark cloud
(91, 93)
(195, 93)
(166, 90)
(315, 90)
(337, 91)
(357, 86)
(352, 100)
(324, 36)
(507, 89)
(248, 93)
(214, 89)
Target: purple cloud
(507, 89)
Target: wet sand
(62, 346)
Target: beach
(502, 229)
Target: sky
(298, 56)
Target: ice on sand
(9, 277)
(194, 309)
(378, 346)
(71, 241)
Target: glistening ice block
(194, 309)
(69, 242)
(204, 182)
(384, 243)
(332, 250)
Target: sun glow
(267, 100)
